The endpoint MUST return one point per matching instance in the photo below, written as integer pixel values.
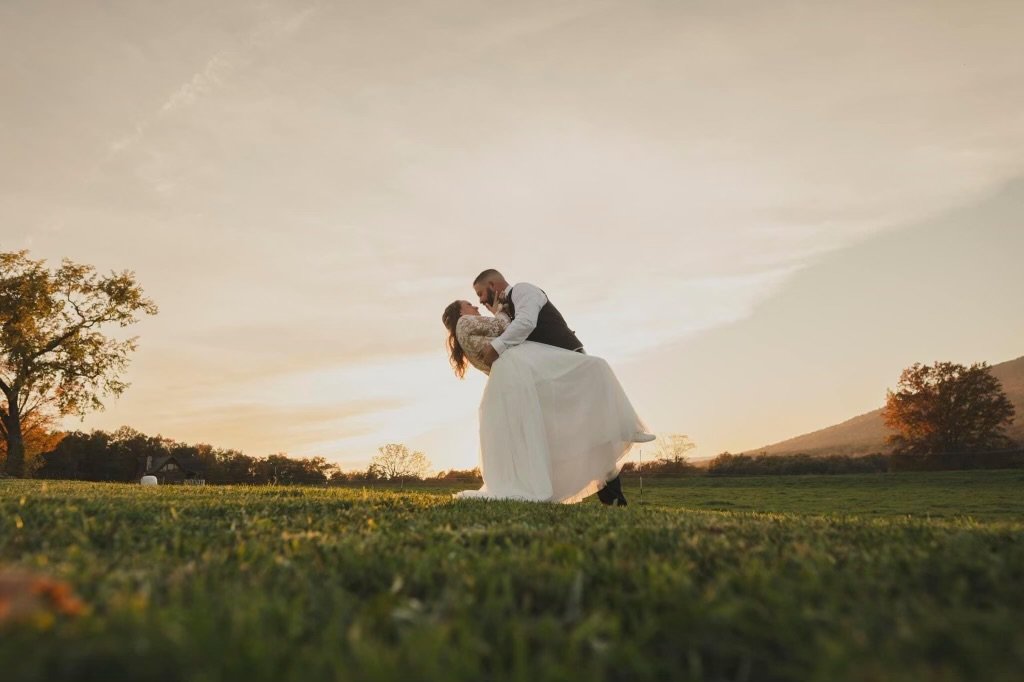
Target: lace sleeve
(474, 333)
(473, 325)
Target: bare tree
(673, 447)
(395, 460)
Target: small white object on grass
(148, 480)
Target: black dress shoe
(612, 493)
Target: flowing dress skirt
(554, 426)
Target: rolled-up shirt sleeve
(528, 301)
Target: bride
(555, 425)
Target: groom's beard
(492, 296)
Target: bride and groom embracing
(555, 425)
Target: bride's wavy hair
(456, 355)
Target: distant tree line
(103, 456)
(117, 457)
(371, 477)
(727, 464)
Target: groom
(534, 318)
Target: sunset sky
(757, 212)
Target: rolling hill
(866, 433)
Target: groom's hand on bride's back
(490, 355)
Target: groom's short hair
(486, 275)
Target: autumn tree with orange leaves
(40, 433)
(948, 408)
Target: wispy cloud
(642, 316)
(218, 70)
(225, 63)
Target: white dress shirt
(528, 300)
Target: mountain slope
(866, 433)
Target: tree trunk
(15, 441)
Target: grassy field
(983, 495)
(884, 577)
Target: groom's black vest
(551, 327)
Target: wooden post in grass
(640, 471)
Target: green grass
(844, 578)
(984, 495)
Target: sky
(757, 212)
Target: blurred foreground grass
(307, 584)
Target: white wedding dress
(555, 425)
